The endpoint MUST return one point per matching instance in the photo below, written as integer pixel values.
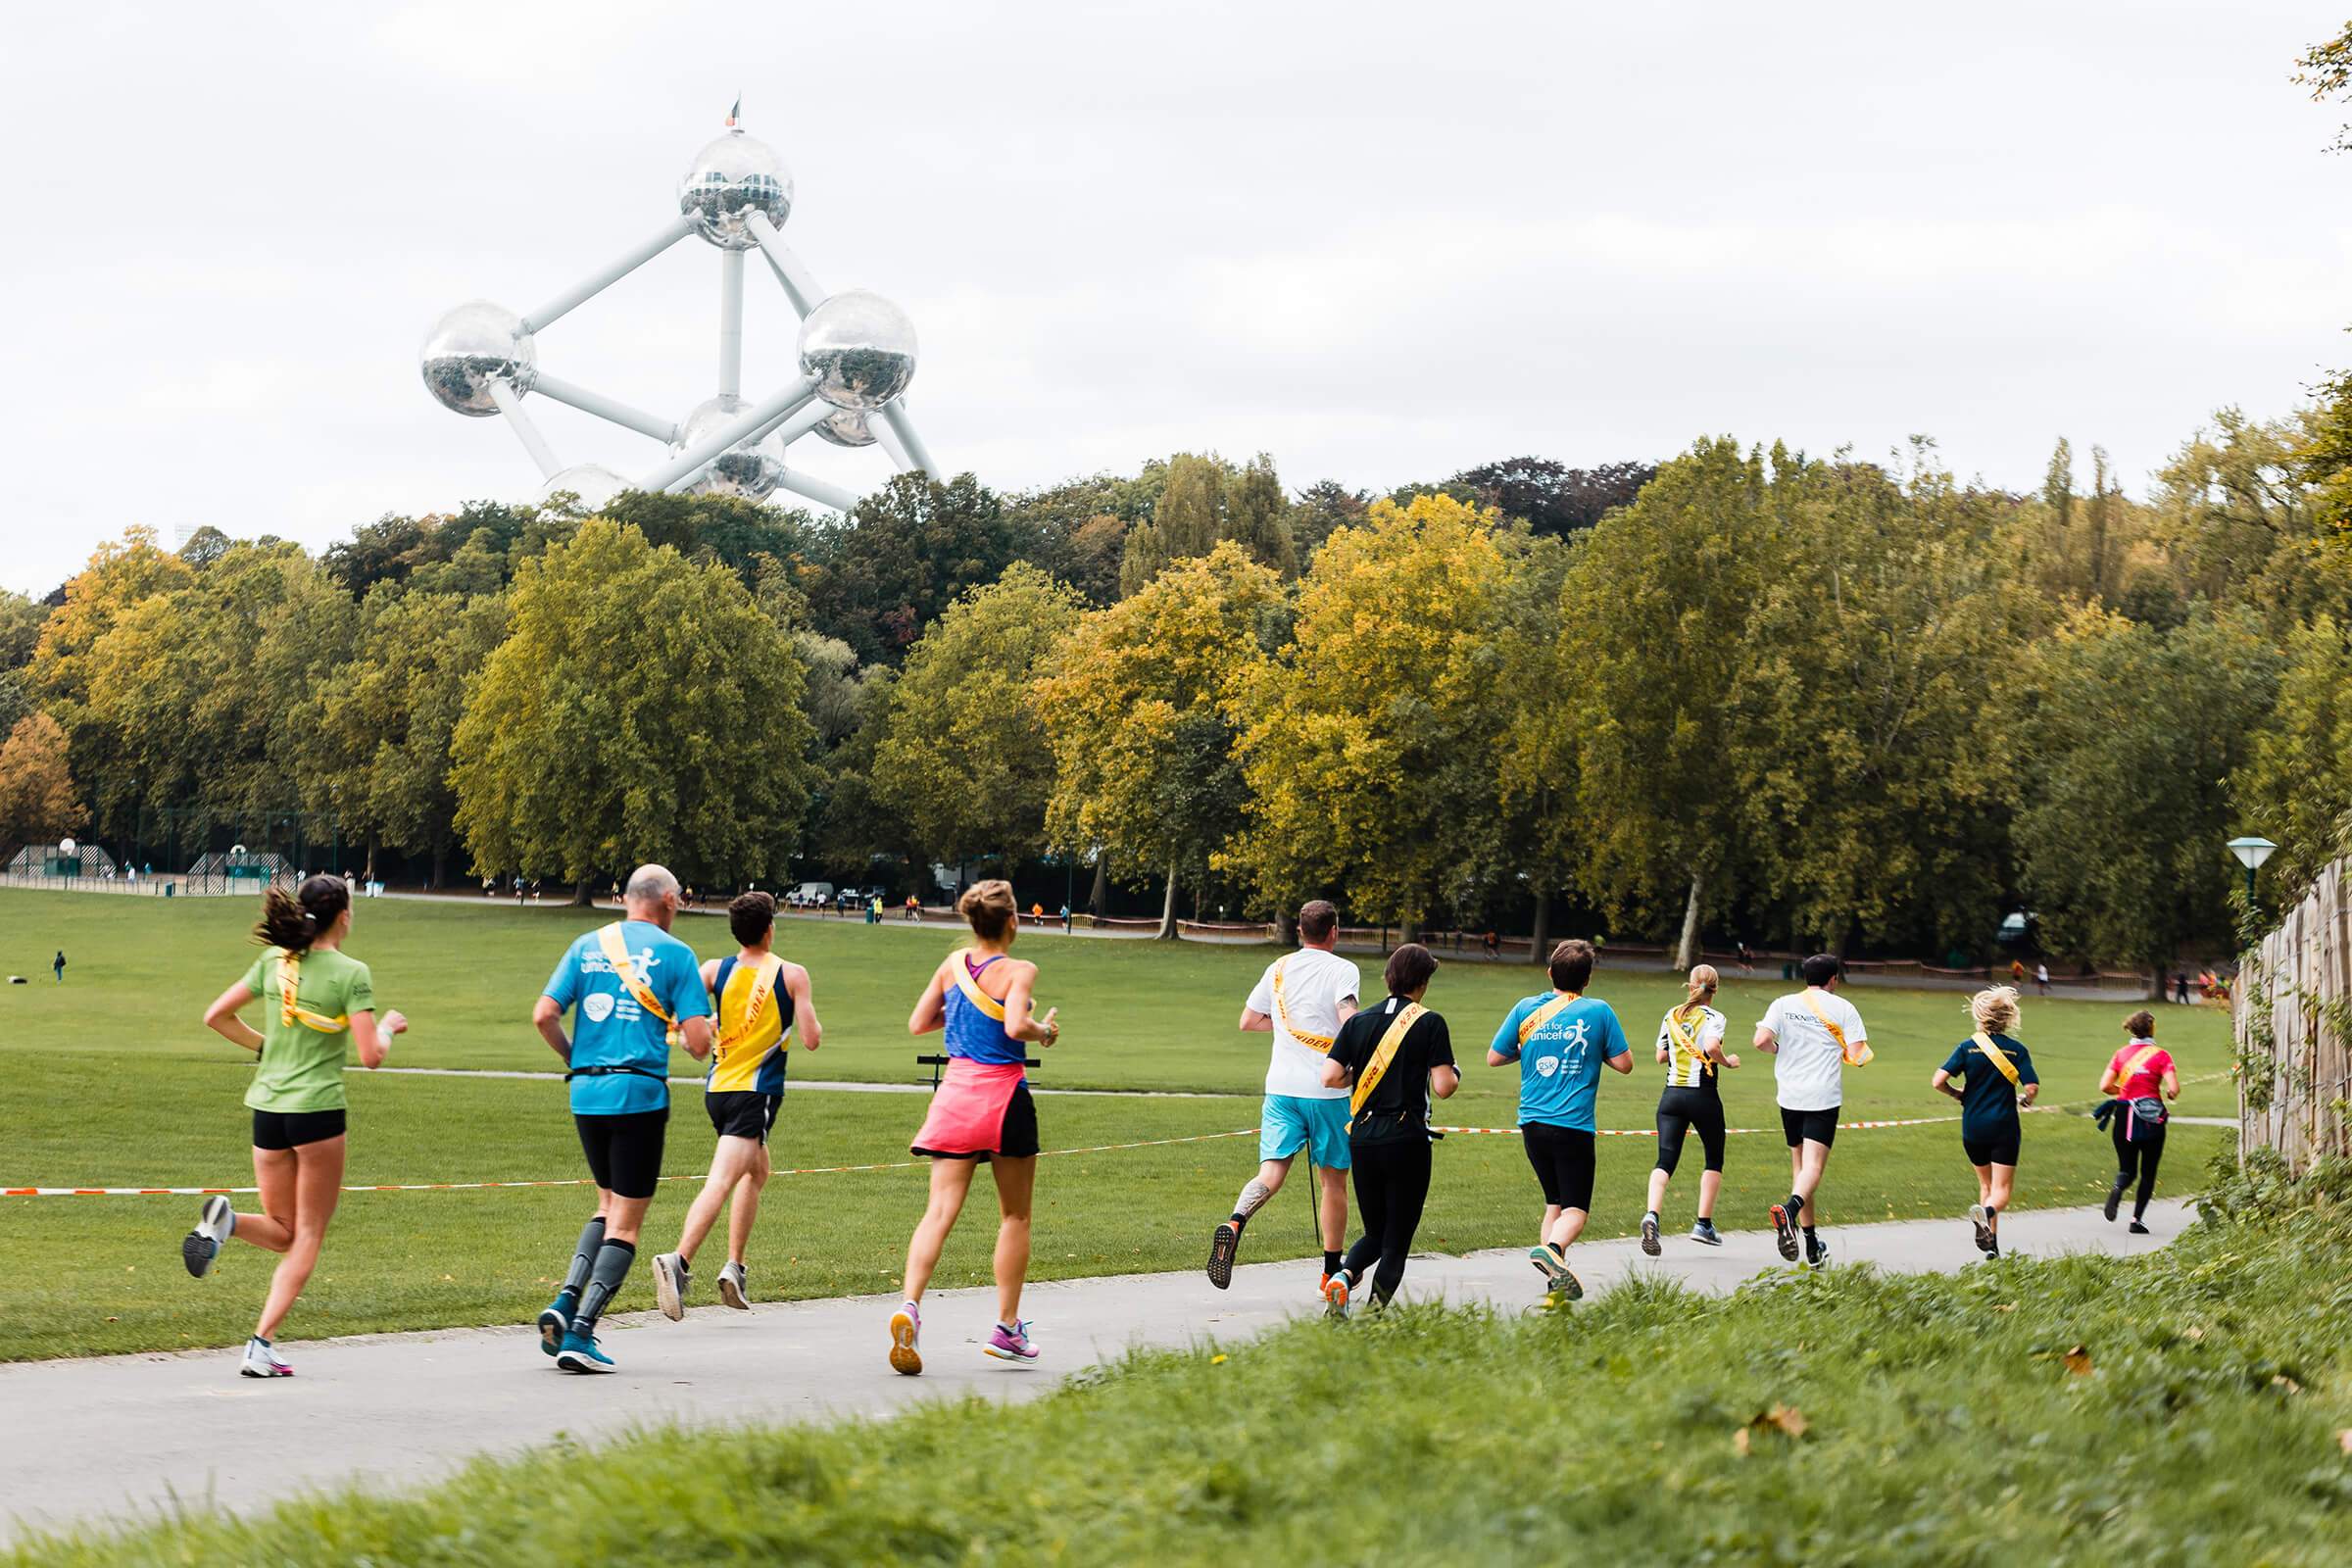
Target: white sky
(1382, 241)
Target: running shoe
(906, 1329)
(1335, 1294)
(1817, 1252)
(581, 1353)
(1784, 1231)
(670, 1275)
(1223, 1243)
(262, 1360)
(1980, 1217)
(734, 1287)
(1649, 1234)
(1704, 1233)
(1011, 1344)
(2137, 1229)
(555, 1322)
(1553, 1266)
(2114, 1199)
(216, 1223)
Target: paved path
(113, 1436)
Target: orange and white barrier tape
(575, 1181)
(1652, 1132)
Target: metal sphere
(750, 471)
(470, 347)
(848, 427)
(595, 484)
(859, 350)
(728, 180)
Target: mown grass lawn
(2182, 1407)
(111, 1080)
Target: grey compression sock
(613, 1261)
(583, 1256)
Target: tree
(909, 550)
(1322, 507)
(37, 800)
(961, 753)
(1258, 518)
(640, 708)
(1368, 745)
(2293, 786)
(1076, 531)
(20, 621)
(1206, 499)
(1135, 708)
(2327, 70)
(1552, 498)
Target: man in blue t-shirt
(1560, 1040)
(629, 986)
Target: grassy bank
(2181, 1408)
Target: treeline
(1749, 692)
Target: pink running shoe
(1011, 1344)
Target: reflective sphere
(847, 428)
(472, 346)
(728, 180)
(747, 471)
(595, 484)
(859, 350)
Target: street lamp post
(2251, 852)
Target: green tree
(21, 620)
(1258, 518)
(640, 708)
(2294, 787)
(1135, 708)
(907, 550)
(38, 799)
(960, 755)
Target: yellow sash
(624, 970)
(291, 1011)
(989, 1005)
(1382, 1055)
(1685, 1037)
(2000, 1057)
(1319, 1044)
(1543, 1015)
(1855, 1054)
(764, 985)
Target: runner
(1690, 1043)
(1391, 1059)
(981, 999)
(1560, 1039)
(632, 984)
(1302, 999)
(2000, 1078)
(761, 1000)
(1814, 1033)
(2142, 1077)
(316, 998)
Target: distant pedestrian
(58, 963)
(1747, 959)
(1494, 945)
(2042, 978)
(1065, 920)
(2017, 971)
(2181, 988)
(2142, 1077)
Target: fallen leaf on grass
(2287, 1383)
(2004, 1306)
(2077, 1361)
(2193, 1332)
(1785, 1419)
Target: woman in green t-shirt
(316, 998)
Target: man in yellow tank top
(761, 1001)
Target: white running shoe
(262, 1360)
(669, 1284)
(216, 1223)
(734, 1287)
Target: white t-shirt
(1811, 1068)
(1313, 985)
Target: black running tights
(2139, 1157)
(1392, 1182)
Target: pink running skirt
(981, 1108)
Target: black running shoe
(1649, 1234)
(1223, 1243)
(1784, 1231)
(1817, 1252)
(2115, 1199)
(2137, 1229)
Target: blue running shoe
(555, 1323)
(581, 1354)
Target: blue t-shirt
(610, 1030)
(1560, 1067)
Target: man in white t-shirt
(1302, 999)
(1814, 1031)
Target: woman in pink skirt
(981, 997)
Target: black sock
(1796, 1208)
(1239, 1220)
(1331, 1261)
(583, 1257)
(612, 1260)
(1809, 1236)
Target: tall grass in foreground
(2180, 1407)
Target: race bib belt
(290, 1009)
(1320, 1045)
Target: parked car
(854, 897)
(810, 895)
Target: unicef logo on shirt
(597, 1005)
(1545, 1066)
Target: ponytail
(294, 921)
(1700, 987)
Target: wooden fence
(2295, 1030)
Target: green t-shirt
(302, 1067)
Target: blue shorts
(1289, 1123)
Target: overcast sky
(1381, 241)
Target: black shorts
(742, 1112)
(1995, 1148)
(625, 1152)
(1809, 1126)
(1685, 1110)
(1563, 1161)
(291, 1129)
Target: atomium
(856, 356)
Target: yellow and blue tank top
(755, 1028)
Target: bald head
(652, 894)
